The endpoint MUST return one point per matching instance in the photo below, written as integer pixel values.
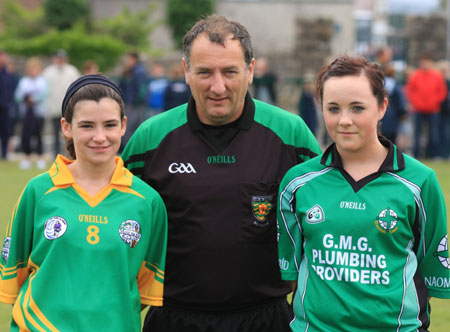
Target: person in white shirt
(30, 95)
(59, 75)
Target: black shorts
(274, 317)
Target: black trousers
(273, 317)
(32, 130)
(5, 131)
(56, 126)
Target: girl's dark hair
(93, 92)
(353, 66)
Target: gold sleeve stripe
(20, 275)
(7, 270)
(18, 315)
(9, 226)
(17, 266)
(8, 299)
(41, 316)
(151, 301)
(156, 269)
(28, 300)
(9, 288)
(13, 214)
(27, 314)
(150, 288)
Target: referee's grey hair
(218, 28)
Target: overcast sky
(413, 5)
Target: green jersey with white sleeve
(366, 254)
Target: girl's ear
(124, 125)
(383, 108)
(66, 128)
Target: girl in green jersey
(85, 247)
(362, 228)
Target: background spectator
(59, 75)
(177, 91)
(265, 82)
(90, 67)
(396, 110)
(426, 89)
(30, 95)
(133, 83)
(444, 123)
(307, 105)
(7, 86)
(384, 57)
(156, 88)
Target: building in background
(298, 36)
(277, 27)
(407, 26)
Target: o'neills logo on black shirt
(221, 159)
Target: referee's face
(219, 78)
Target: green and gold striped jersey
(368, 253)
(72, 262)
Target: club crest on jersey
(442, 252)
(261, 206)
(55, 227)
(5, 249)
(315, 215)
(387, 221)
(130, 232)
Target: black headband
(86, 80)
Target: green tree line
(68, 24)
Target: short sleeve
(16, 247)
(433, 255)
(151, 274)
(290, 248)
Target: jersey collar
(245, 121)
(394, 161)
(62, 177)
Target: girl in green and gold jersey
(85, 247)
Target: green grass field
(13, 180)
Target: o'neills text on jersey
(221, 159)
(93, 219)
(352, 205)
